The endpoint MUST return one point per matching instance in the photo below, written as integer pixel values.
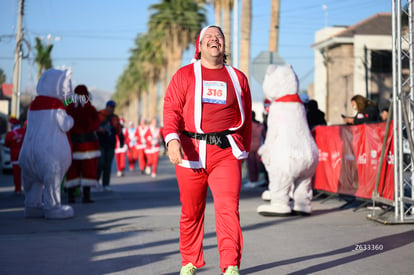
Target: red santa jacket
(124, 148)
(14, 140)
(152, 140)
(183, 112)
(83, 135)
(140, 133)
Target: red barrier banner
(349, 158)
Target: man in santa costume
(85, 144)
(46, 153)
(121, 150)
(140, 132)
(132, 153)
(152, 150)
(14, 140)
(207, 127)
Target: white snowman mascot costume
(46, 152)
(289, 152)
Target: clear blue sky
(96, 36)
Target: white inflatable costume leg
(33, 190)
(279, 187)
(52, 207)
(302, 196)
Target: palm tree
(177, 23)
(246, 26)
(151, 61)
(173, 26)
(43, 56)
(130, 83)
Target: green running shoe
(188, 269)
(232, 270)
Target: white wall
(372, 42)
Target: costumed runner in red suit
(85, 144)
(14, 140)
(152, 151)
(132, 153)
(207, 127)
(140, 132)
(121, 150)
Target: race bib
(214, 92)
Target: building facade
(353, 60)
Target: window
(381, 61)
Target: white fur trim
(87, 155)
(239, 154)
(81, 182)
(237, 87)
(152, 150)
(191, 164)
(122, 149)
(197, 96)
(73, 183)
(89, 182)
(171, 136)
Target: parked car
(5, 163)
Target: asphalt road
(134, 230)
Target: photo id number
(368, 247)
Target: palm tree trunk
(246, 26)
(144, 104)
(153, 99)
(133, 113)
(227, 28)
(217, 12)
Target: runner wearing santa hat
(14, 140)
(121, 150)
(131, 141)
(152, 150)
(207, 127)
(85, 145)
(140, 146)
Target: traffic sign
(264, 59)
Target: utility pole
(18, 55)
(274, 26)
(235, 58)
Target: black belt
(216, 138)
(86, 137)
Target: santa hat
(14, 121)
(81, 90)
(82, 96)
(266, 106)
(199, 38)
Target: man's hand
(175, 152)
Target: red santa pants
(120, 161)
(132, 155)
(152, 161)
(142, 159)
(223, 176)
(17, 178)
(82, 172)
